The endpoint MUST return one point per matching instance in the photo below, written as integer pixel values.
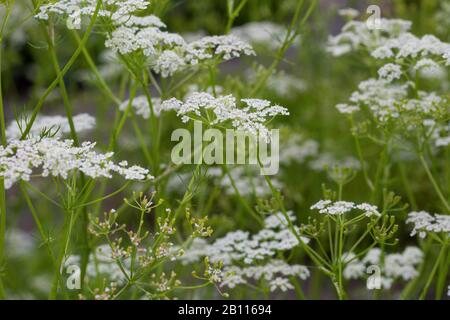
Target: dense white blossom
(341, 207)
(138, 21)
(169, 52)
(58, 158)
(429, 68)
(425, 223)
(226, 47)
(380, 96)
(357, 35)
(150, 40)
(119, 11)
(250, 118)
(387, 101)
(407, 45)
(168, 63)
(390, 72)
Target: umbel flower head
(169, 52)
(356, 35)
(59, 158)
(119, 11)
(425, 223)
(341, 207)
(251, 118)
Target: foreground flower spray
(96, 192)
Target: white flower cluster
(425, 223)
(407, 45)
(59, 158)
(226, 47)
(246, 256)
(250, 119)
(405, 53)
(389, 101)
(396, 265)
(119, 11)
(169, 52)
(390, 72)
(150, 40)
(356, 35)
(58, 125)
(429, 68)
(379, 95)
(262, 33)
(341, 207)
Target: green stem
(433, 272)
(341, 292)
(361, 158)
(233, 13)
(102, 83)
(407, 186)
(287, 42)
(154, 126)
(62, 86)
(41, 230)
(66, 68)
(434, 183)
(442, 277)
